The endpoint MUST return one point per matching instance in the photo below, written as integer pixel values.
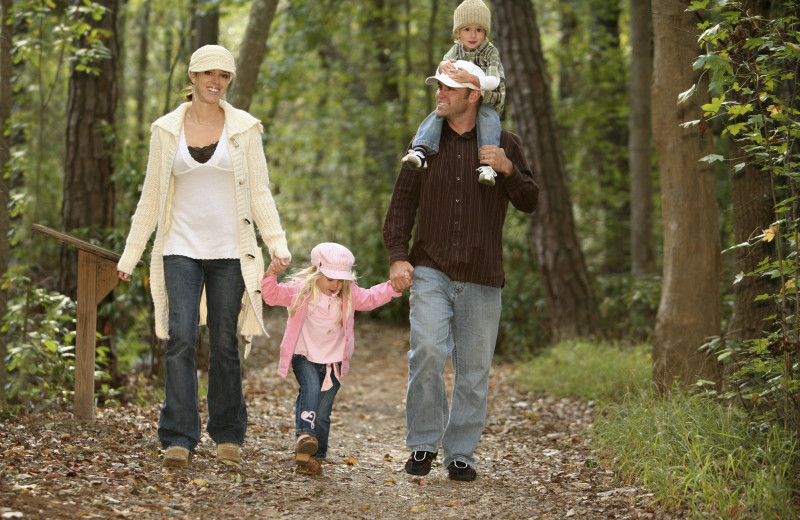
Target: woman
(206, 185)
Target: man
(455, 271)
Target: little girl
(319, 341)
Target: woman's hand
(125, 277)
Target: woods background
(641, 193)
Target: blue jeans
(179, 424)
(313, 406)
(488, 124)
(455, 319)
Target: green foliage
(695, 453)
(690, 451)
(751, 64)
(522, 325)
(628, 306)
(40, 331)
(589, 371)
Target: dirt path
(535, 458)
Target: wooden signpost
(97, 277)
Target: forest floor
(535, 459)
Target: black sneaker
(458, 470)
(419, 463)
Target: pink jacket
(284, 294)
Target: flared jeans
(179, 424)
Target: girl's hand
(125, 277)
(279, 265)
(272, 270)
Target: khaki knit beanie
(212, 57)
(472, 12)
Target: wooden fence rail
(97, 277)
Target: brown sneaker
(228, 452)
(310, 467)
(306, 447)
(176, 457)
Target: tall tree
(752, 212)
(6, 41)
(140, 94)
(251, 52)
(88, 165)
(607, 155)
(206, 23)
(565, 278)
(640, 134)
(690, 308)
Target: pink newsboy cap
(334, 260)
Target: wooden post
(97, 277)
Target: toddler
(319, 342)
(471, 24)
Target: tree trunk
(752, 212)
(6, 42)
(88, 206)
(251, 52)
(141, 94)
(91, 105)
(608, 162)
(433, 59)
(690, 308)
(206, 23)
(565, 279)
(643, 262)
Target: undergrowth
(690, 450)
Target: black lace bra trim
(202, 154)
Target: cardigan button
(247, 221)
(251, 256)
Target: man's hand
(495, 157)
(401, 274)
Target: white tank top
(203, 217)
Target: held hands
(277, 266)
(495, 157)
(401, 274)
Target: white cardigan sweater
(254, 202)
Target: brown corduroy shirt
(459, 221)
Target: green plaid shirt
(487, 57)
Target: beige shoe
(311, 467)
(306, 447)
(176, 457)
(229, 452)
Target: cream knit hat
(212, 57)
(472, 12)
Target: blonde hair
(309, 292)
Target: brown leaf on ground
(535, 459)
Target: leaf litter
(535, 459)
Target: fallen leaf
(198, 483)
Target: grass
(689, 450)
